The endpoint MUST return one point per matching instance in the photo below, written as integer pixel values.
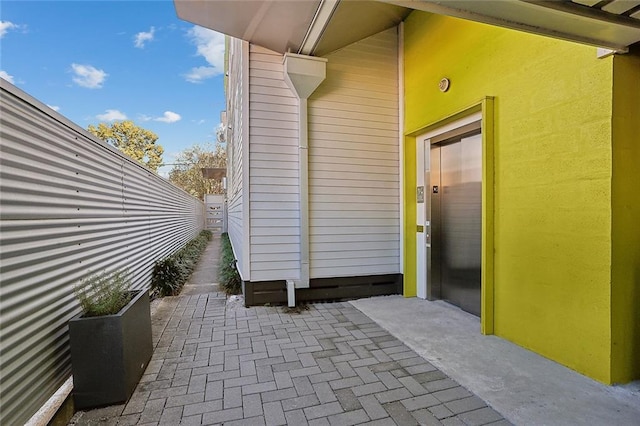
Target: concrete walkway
(525, 387)
(216, 362)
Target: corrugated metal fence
(69, 205)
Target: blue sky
(100, 61)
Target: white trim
(246, 165)
(401, 137)
(421, 155)
(604, 53)
(421, 253)
(316, 28)
(451, 126)
(47, 412)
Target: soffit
(282, 25)
(355, 20)
(276, 25)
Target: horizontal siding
(273, 199)
(351, 230)
(321, 248)
(236, 117)
(69, 206)
(333, 207)
(378, 157)
(356, 214)
(360, 237)
(361, 202)
(265, 242)
(278, 273)
(353, 162)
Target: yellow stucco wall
(625, 253)
(552, 174)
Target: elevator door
(456, 211)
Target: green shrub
(228, 273)
(171, 273)
(104, 293)
(168, 273)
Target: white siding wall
(236, 146)
(353, 162)
(274, 207)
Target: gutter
(303, 74)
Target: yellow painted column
(625, 253)
(410, 219)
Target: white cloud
(88, 76)
(197, 74)
(54, 107)
(142, 37)
(111, 115)
(209, 45)
(7, 76)
(5, 26)
(169, 117)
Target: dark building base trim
(322, 289)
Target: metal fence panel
(69, 205)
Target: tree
(134, 141)
(187, 173)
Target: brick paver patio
(217, 362)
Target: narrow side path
(203, 280)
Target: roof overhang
(298, 26)
(611, 24)
(317, 27)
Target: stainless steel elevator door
(457, 221)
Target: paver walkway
(217, 362)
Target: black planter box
(110, 353)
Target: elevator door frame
(483, 109)
(426, 288)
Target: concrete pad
(524, 387)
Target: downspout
(303, 74)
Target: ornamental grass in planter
(110, 340)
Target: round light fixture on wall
(444, 84)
